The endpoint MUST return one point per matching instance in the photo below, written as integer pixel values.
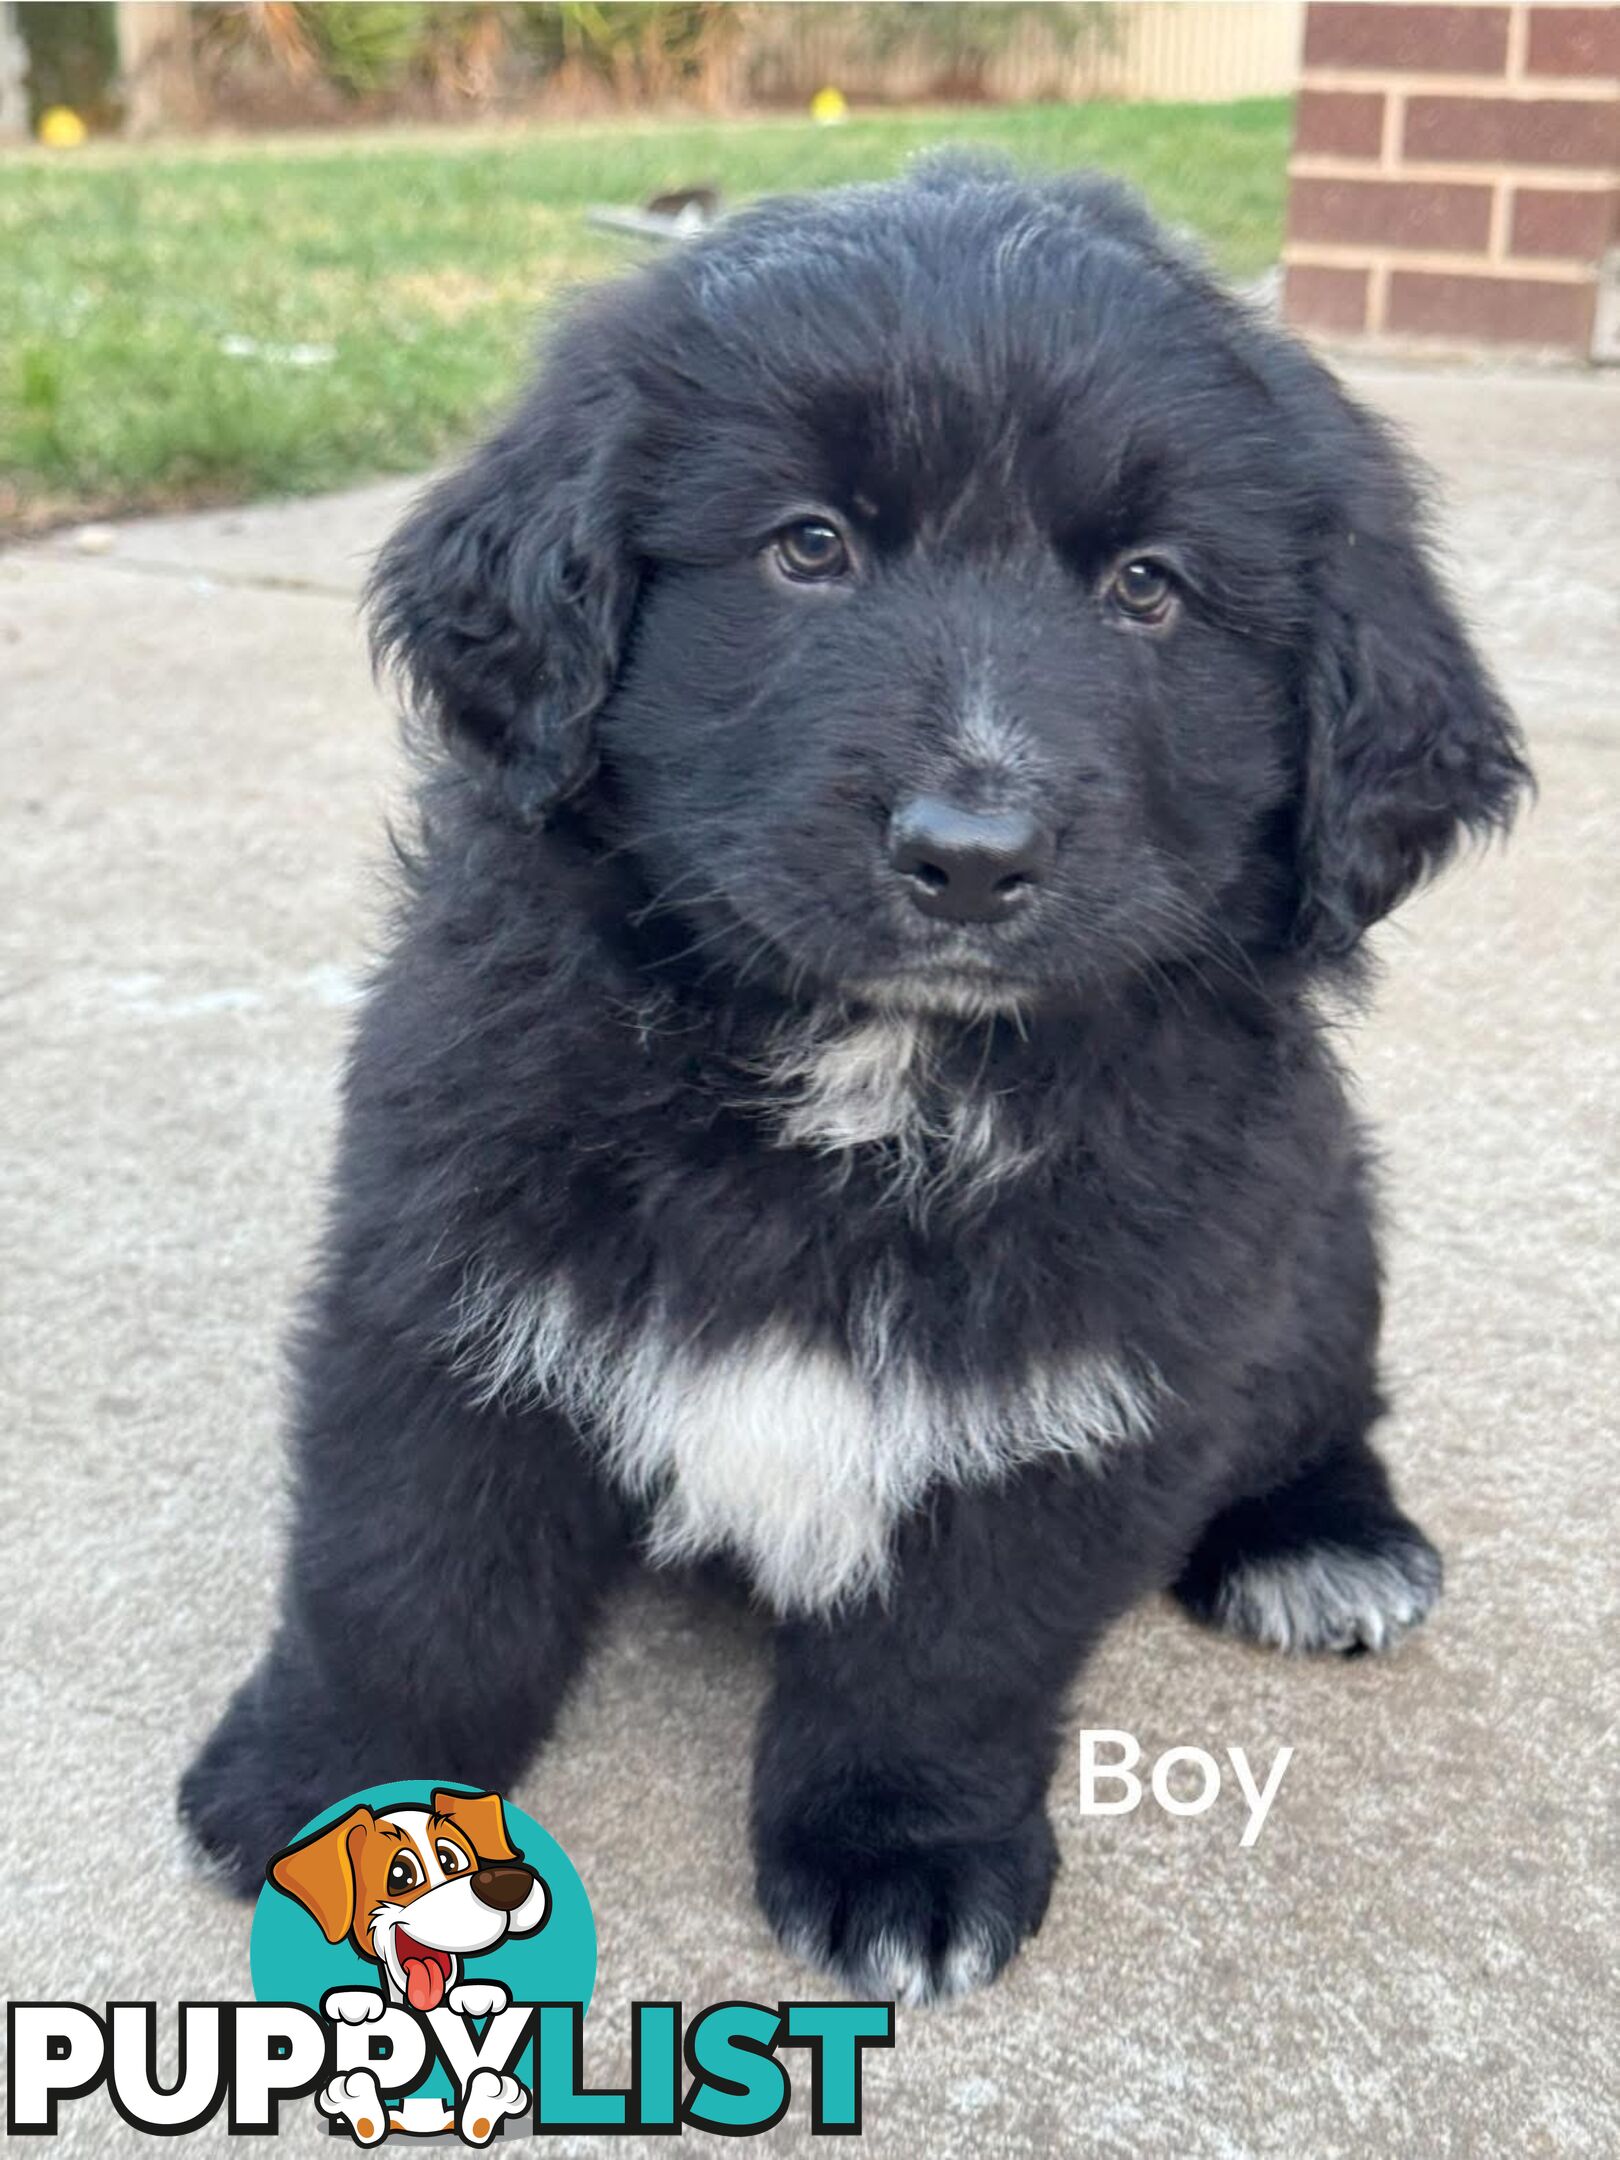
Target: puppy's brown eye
(811, 551)
(403, 1875)
(450, 1857)
(1143, 589)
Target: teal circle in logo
(291, 1959)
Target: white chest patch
(796, 1462)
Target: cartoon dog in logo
(417, 1890)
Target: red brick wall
(1456, 172)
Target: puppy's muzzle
(963, 865)
(503, 1889)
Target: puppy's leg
(1325, 1561)
(900, 1830)
(446, 1563)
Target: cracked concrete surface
(1417, 1954)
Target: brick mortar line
(1518, 42)
(1377, 296)
(1579, 89)
(1351, 255)
(1331, 165)
(1496, 237)
(1389, 143)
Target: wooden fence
(1197, 50)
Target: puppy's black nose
(502, 1888)
(967, 865)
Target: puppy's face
(941, 595)
(961, 675)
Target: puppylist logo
(422, 1959)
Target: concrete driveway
(1418, 1953)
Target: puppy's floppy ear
(320, 1873)
(482, 1818)
(1410, 747)
(504, 599)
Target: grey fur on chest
(797, 1461)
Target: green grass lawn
(423, 260)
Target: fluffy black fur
(653, 848)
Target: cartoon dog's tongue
(427, 1972)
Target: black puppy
(932, 689)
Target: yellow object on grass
(828, 107)
(60, 128)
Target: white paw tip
(1331, 1597)
(897, 1968)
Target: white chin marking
(798, 1461)
(847, 1084)
(835, 1082)
(1331, 1597)
(957, 997)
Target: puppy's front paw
(356, 2099)
(255, 1784)
(915, 1925)
(478, 1998)
(1331, 1596)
